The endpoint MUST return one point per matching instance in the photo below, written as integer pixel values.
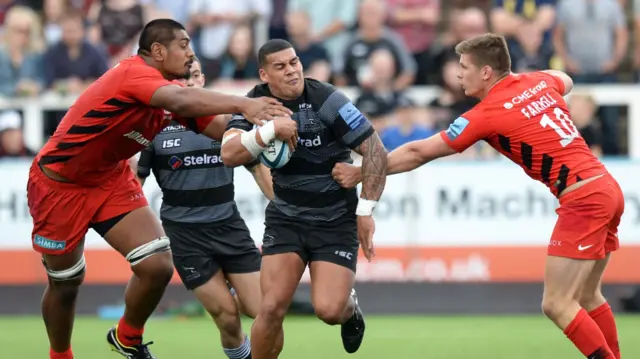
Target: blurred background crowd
(381, 47)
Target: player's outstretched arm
(216, 128)
(405, 158)
(196, 102)
(414, 154)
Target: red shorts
(588, 220)
(63, 212)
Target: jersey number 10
(571, 130)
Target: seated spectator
(11, 139)
(313, 56)
(73, 63)
(451, 102)
(239, 63)
(372, 35)
(378, 99)
(405, 127)
(416, 21)
(21, 54)
(527, 25)
(583, 111)
(591, 37)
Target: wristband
(267, 132)
(365, 207)
(248, 140)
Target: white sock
(241, 352)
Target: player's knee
(153, 261)
(554, 307)
(330, 312)
(65, 283)
(228, 322)
(273, 309)
(67, 278)
(157, 269)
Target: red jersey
(109, 123)
(525, 118)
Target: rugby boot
(352, 330)
(140, 351)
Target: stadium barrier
(622, 95)
(452, 221)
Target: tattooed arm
(374, 167)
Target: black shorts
(200, 251)
(328, 241)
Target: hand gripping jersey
(525, 118)
(109, 123)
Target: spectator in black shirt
(372, 35)
(379, 100)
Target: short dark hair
(488, 49)
(270, 47)
(161, 31)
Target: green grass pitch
(387, 337)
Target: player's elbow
(231, 155)
(568, 84)
(567, 81)
(419, 152)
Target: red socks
(587, 337)
(68, 354)
(603, 316)
(128, 335)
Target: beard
(186, 75)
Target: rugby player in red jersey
(81, 179)
(524, 117)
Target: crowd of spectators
(382, 47)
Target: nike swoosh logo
(581, 248)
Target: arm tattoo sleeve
(374, 167)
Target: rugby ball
(276, 154)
